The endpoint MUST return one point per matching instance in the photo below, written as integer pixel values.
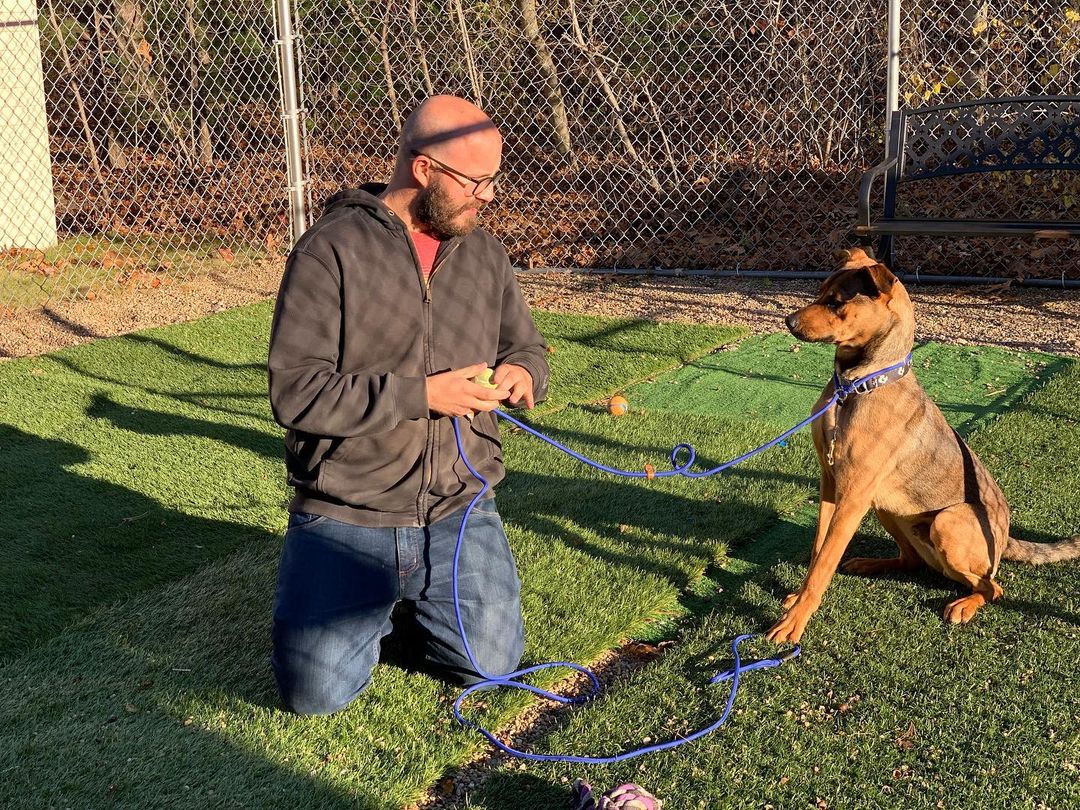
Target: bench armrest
(867, 184)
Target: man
(390, 306)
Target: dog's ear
(879, 277)
(854, 257)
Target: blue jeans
(339, 584)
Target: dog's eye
(833, 304)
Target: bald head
(452, 130)
(447, 164)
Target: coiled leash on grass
(843, 389)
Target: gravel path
(1020, 318)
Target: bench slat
(971, 227)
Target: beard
(438, 213)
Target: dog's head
(860, 301)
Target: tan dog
(890, 449)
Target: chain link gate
(142, 144)
(695, 134)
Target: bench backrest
(990, 135)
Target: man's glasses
(480, 184)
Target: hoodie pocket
(382, 472)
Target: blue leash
(843, 389)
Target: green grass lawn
(137, 561)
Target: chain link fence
(660, 134)
(147, 133)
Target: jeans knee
(310, 686)
(503, 654)
(316, 698)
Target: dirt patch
(133, 307)
(1016, 318)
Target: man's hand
(517, 381)
(453, 393)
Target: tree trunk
(613, 100)
(204, 144)
(470, 61)
(382, 44)
(133, 52)
(429, 86)
(73, 85)
(560, 126)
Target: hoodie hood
(366, 197)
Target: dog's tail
(1038, 553)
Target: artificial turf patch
(777, 378)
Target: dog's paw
(963, 610)
(790, 600)
(790, 628)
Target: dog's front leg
(826, 509)
(849, 512)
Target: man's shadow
(71, 544)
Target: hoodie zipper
(440, 261)
(428, 460)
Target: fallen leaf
(111, 260)
(226, 254)
(642, 649)
(906, 740)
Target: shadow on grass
(189, 356)
(136, 715)
(790, 542)
(522, 791)
(155, 423)
(70, 544)
(637, 526)
(198, 397)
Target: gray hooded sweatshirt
(356, 331)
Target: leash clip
(794, 652)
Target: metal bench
(990, 135)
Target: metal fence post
(291, 112)
(892, 88)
